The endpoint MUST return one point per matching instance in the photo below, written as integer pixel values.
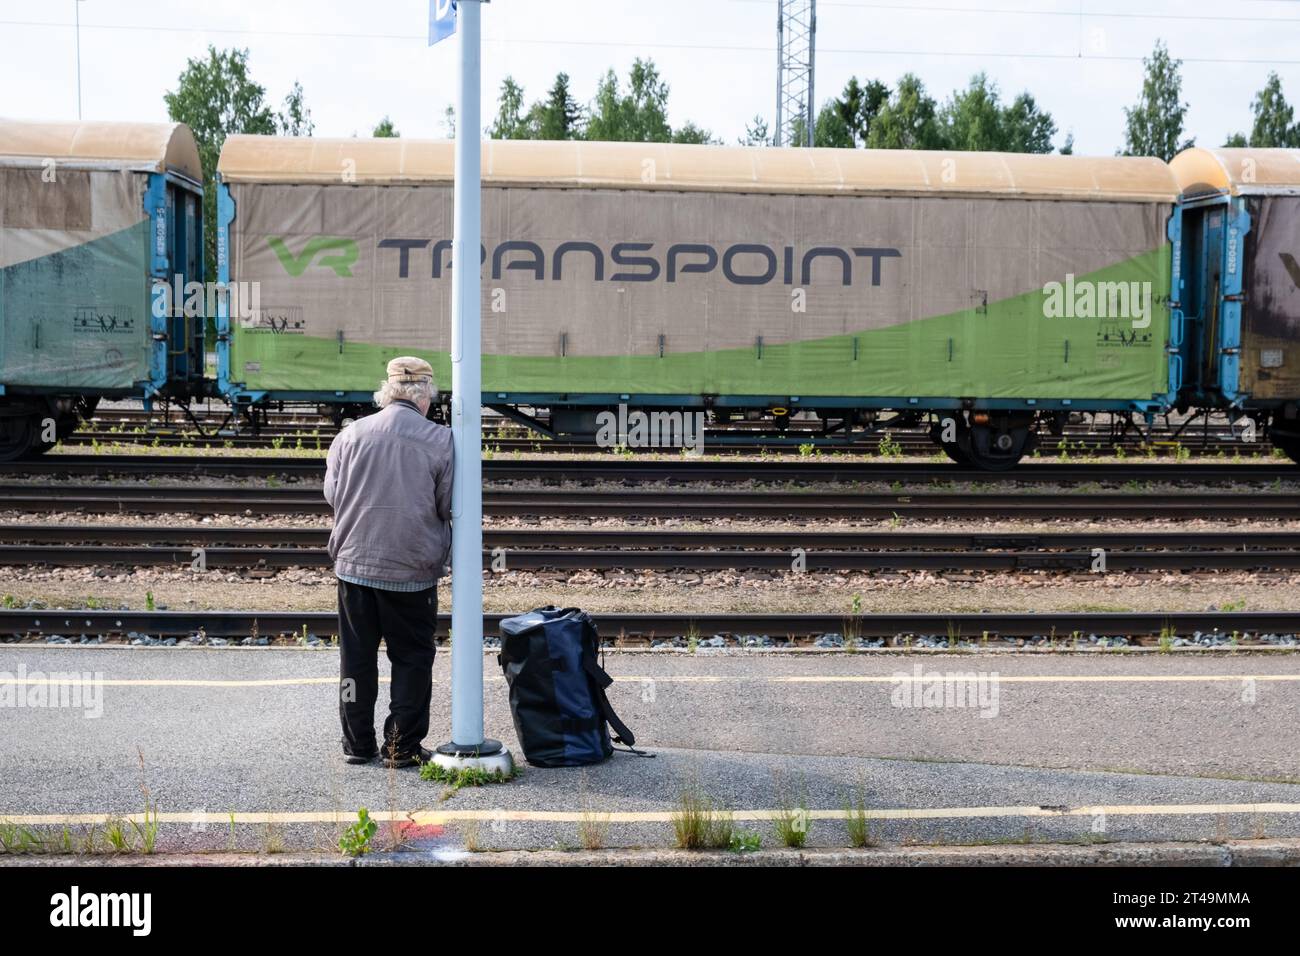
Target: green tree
(449, 121)
(798, 132)
(756, 133)
(908, 120)
(558, 116)
(837, 121)
(972, 118)
(1068, 148)
(1155, 124)
(871, 101)
(1274, 117)
(295, 118)
(846, 120)
(1237, 141)
(831, 129)
(690, 133)
(606, 119)
(640, 115)
(1027, 129)
(216, 96)
(385, 129)
(510, 122)
(975, 119)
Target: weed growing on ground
(859, 826)
(273, 842)
(147, 829)
(355, 840)
(456, 777)
(853, 625)
(469, 832)
(18, 839)
(889, 448)
(593, 828)
(698, 825)
(118, 837)
(792, 821)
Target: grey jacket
(388, 479)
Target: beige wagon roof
(147, 147)
(273, 159)
(1237, 172)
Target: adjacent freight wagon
(986, 291)
(1241, 256)
(99, 222)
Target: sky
(357, 62)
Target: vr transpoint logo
(76, 909)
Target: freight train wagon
(1241, 257)
(99, 222)
(983, 291)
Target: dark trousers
(406, 621)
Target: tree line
(215, 96)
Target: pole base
(490, 755)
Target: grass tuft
(698, 825)
(593, 829)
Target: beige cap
(409, 368)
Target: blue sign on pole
(442, 20)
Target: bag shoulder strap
(622, 735)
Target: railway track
(1061, 627)
(674, 470)
(677, 504)
(531, 549)
(317, 439)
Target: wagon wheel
(996, 449)
(954, 451)
(17, 433)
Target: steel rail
(959, 626)
(675, 504)
(673, 470)
(210, 548)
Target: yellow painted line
(927, 675)
(934, 674)
(648, 816)
(113, 682)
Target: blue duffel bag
(557, 689)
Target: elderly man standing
(388, 479)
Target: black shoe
(360, 758)
(413, 759)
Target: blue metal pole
(466, 411)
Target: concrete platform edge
(1229, 853)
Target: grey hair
(417, 392)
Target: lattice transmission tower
(796, 46)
